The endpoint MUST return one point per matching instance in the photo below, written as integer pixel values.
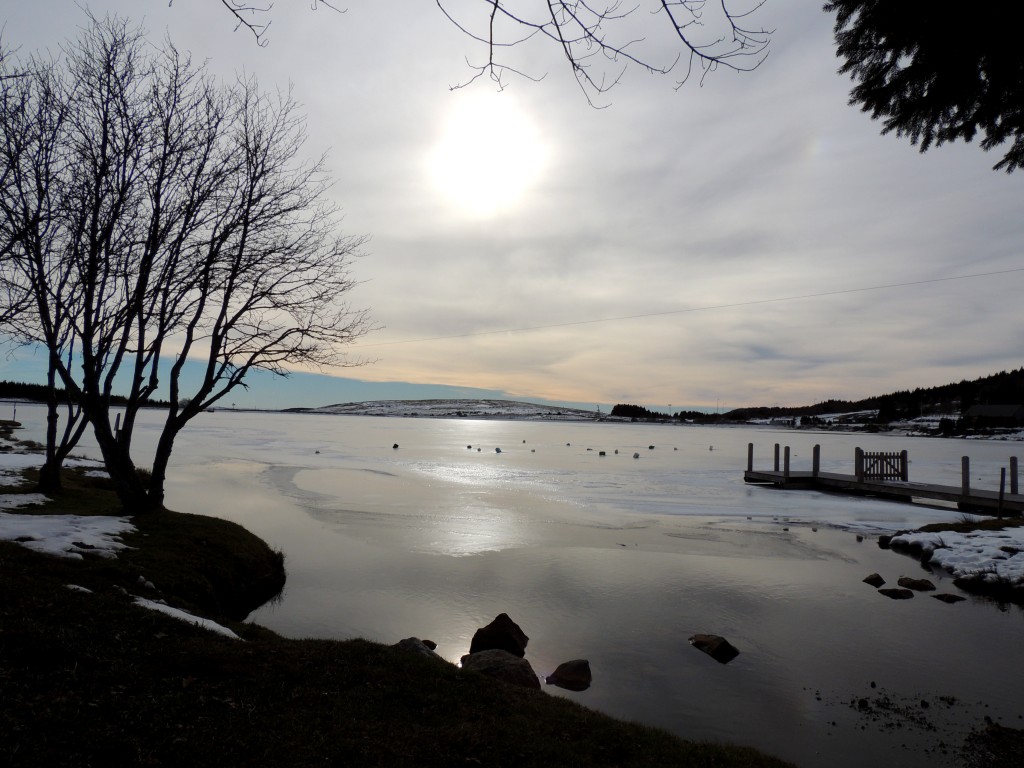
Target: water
(620, 560)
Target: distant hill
(470, 409)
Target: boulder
(502, 634)
(420, 647)
(918, 585)
(874, 580)
(948, 598)
(502, 665)
(884, 542)
(718, 648)
(897, 594)
(572, 675)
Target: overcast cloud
(725, 233)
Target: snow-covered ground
(994, 557)
(72, 535)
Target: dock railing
(881, 465)
(887, 473)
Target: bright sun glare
(488, 156)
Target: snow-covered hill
(451, 409)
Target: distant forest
(10, 390)
(1004, 388)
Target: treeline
(1003, 388)
(629, 411)
(17, 390)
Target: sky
(749, 240)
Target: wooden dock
(885, 475)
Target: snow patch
(991, 556)
(65, 535)
(185, 616)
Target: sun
(488, 156)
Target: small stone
(919, 585)
(948, 598)
(502, 665)
(572, 675)
(718, 648)
(897, 594)
(874, 580)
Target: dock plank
(980, 499)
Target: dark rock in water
(897, 594)
(421, 647)
(874, 580)
(572, 675)
(919, 585)
(948, 598)
(883, 542)
(502, 665)
(718, 648)
(395, 446)
(501, 634)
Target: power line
(708, 308)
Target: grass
(90, 679)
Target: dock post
(785, 472)
(750, 457)
(904, 465)
(858, 464)
(816, 461)
(965, 476)
(1013, 475)
(1002, 492)
(776, 457)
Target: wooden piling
(750, 457)
(965, 476)
(904, 466)
(1002, 492)
(776, 457)
(816, 461)
(858, 464)
(785, 472)
(1013, 475)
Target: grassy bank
(88, 678)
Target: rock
(874, 580)
(897, 594)
(718, 648)
(421, 647)
(501, 634)
(572, 675)
(884, 541)
(395, 446)
(919, 585)
(948, 598)
(502, 665)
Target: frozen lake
(619, 560)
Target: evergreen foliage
(935, 73)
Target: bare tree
(599, 41)
(186, 231)
(32, 114)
